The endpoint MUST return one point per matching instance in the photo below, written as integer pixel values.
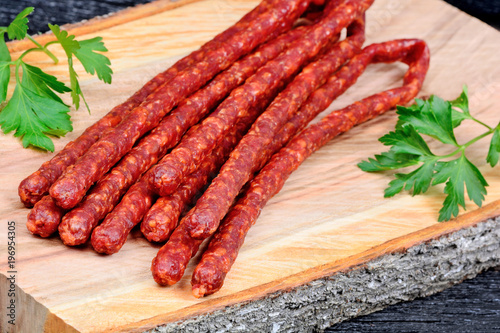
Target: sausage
(44, 217)
(112, 233)
(163, 216)
(204, 219)
(35, 186)
(168, 174)
(222, 250)
(77, 224)
(110, 236)
(70, 188)
(170, 263)
(343, 79)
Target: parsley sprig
(436, 119)
(35, 111)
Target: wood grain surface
(329, 217)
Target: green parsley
(436, 119)
(35, 111)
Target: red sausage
(112, 233)
(164, 215)
(168, 174)
(170, 263)
(110, 236)
(209, 275)
(44, 218)
(204, 219)
(70, 188)
(78, 224)
(345, 78)
(35, 186)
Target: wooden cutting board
(329, 217)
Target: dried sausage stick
(171, 261)
(96, 208)
(209, 275)
(112, 233)
(77, 224)
(204, 219)
(44, 218)
(168, 174)
(35, 186)
(70, 188)
(110, 236)
(343, 79)
(163, 217)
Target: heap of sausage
(230, 115)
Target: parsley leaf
(494, 150)
(94, 62)
(19, 27)
(67, 41)
(4, 67)
(70, 45)
(388, 161)
(33, 117)
(4, 79)
(436, 119)
(42, 83)
(406, 140)
(419, 179)
(76, 92)
(458, 174)
(432, 117)
(462, 103)
(408, 148)
(35, 109)
(84, 51)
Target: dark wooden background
(472, 306)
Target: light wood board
(330, 216)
